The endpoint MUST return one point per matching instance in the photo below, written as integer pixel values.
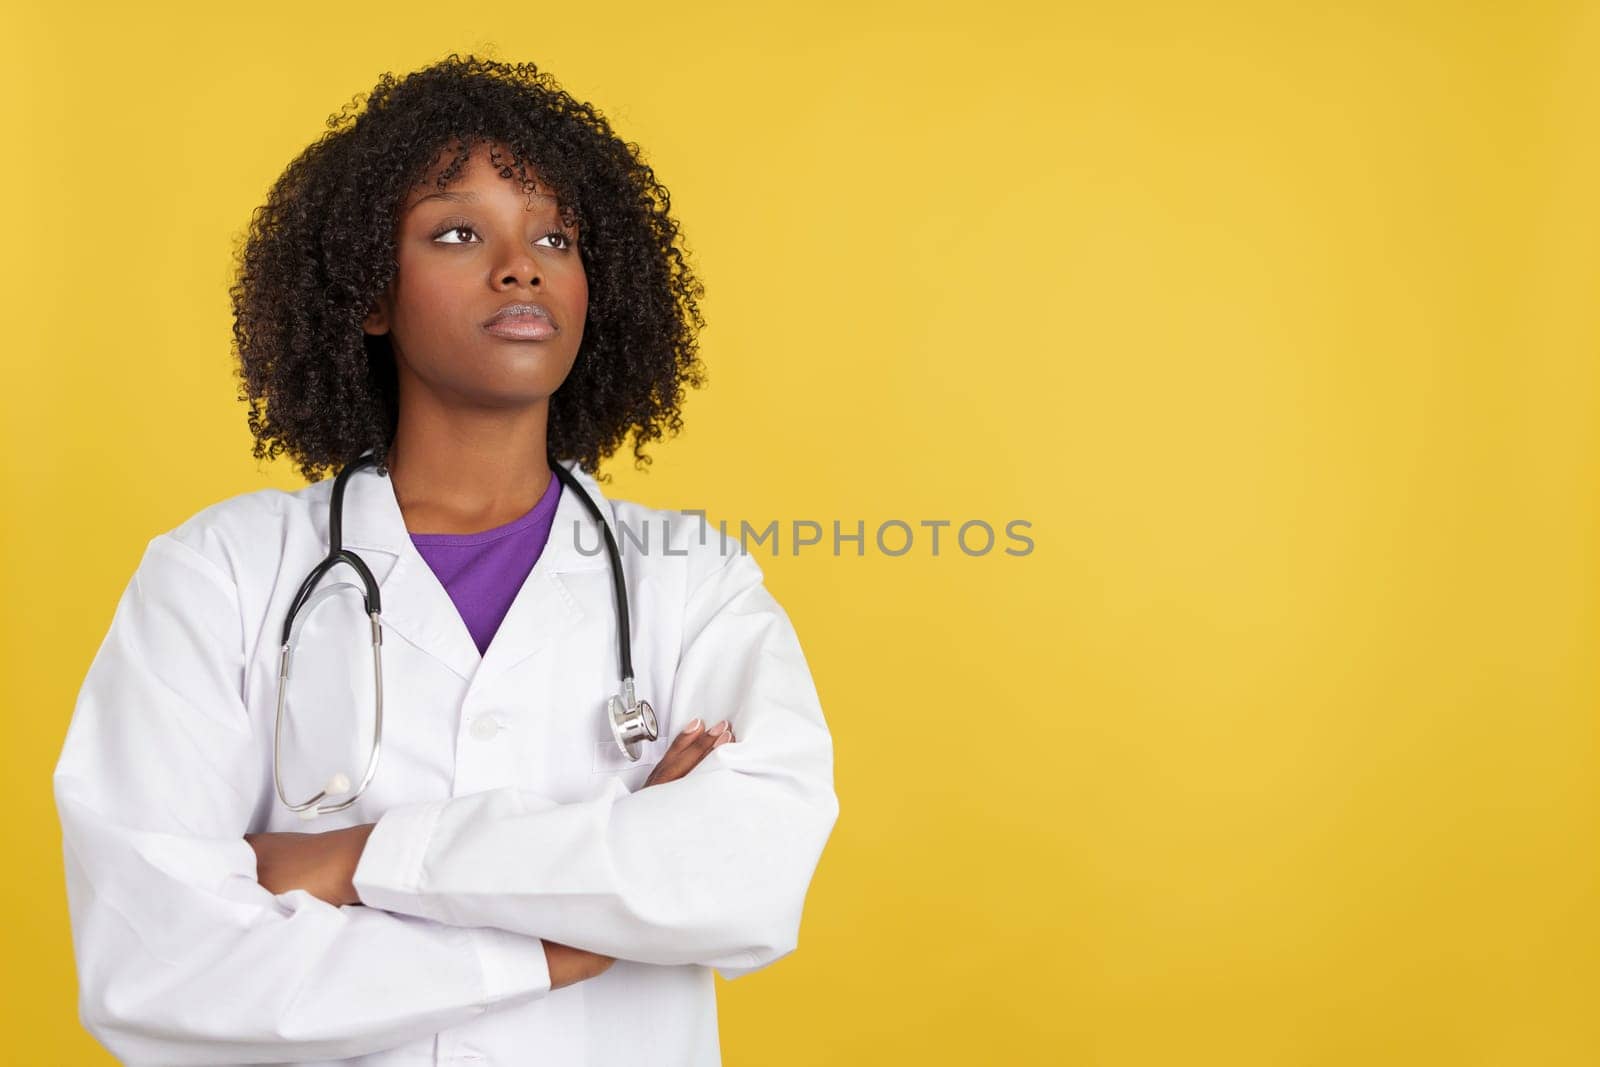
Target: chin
(513, 390)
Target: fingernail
(716, 731)
(694, 724)
(724, 739)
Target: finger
(687, 736)
(711, 740)
(679, 756)
(680, 763)
(685, 740)
(702, 747)
(693, 753)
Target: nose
(519, 269)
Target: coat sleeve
(712, 868)
(182, 957)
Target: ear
(377, 320)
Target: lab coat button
(484, 727)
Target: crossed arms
(159, 778)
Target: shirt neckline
(543, 509)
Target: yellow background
(1276, 322)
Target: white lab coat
(504, 811)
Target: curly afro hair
(321, 250)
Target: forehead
(478, 180)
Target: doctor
(510, 888)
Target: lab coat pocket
(609, 758)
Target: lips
(521, 322)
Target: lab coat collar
(417, 607)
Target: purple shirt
(483, 571)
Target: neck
(461, 471)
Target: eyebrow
(468, 198)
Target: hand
(569, 965)
(688, 750)
(324, 864)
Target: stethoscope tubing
(631, 719)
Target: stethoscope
(632, 721)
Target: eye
(453, 227)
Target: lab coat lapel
(414, 604)
(546, 607)
(417, 607)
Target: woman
(463, 297)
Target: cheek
(580, 290)
(425, 304)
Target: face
(465, 253)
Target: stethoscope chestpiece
(632, 721)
